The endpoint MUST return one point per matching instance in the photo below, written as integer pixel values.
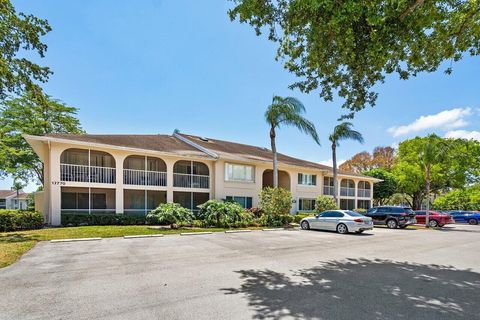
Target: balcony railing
(347, 192)
(142, 177)
(328, 190)
(364, 193)
(183, 180)
(80, 173)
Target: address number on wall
(58, 183)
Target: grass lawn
(14, 244)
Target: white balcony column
(55, 187)
(371, 194)
(119, 183)
(169, 164)
(339, 191)
(356, 193)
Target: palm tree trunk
(335, 183)
(427, 187)
(274, 152)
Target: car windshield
(353, 213)
(408, 210)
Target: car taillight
(358, 220)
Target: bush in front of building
(82, 219)
(275, 201)
(12, 220)
(299, 216)
(323, 203)
(224, 214)
(361, 211)
(171, 214)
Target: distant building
(9, 200)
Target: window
(3, 204)
(354, 214)
(245, 202)
(190, 200)
(364, 189)
(306, 204)
(328, 186)
(307, 179)
(347, 204)
(363, 204)
(239, 172)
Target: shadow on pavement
(362, 289)
(454, 229)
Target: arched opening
(142, 170)
(191, 174)
(283, 179)
(83, 165)
(347, 188)
(364, 189)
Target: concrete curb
(194, 233)
(143, 236)
(76, 240)
(237, 231)
(273, 229)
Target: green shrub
(11, 220)
(170, 214)
(361, 211)
(276, 220)
(82, 219)
(275, 201)
(323, 203)
(224, 214)
(299, 216)
(257, 212)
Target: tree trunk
(335, 183)
(274, 153)
(427, 188)
(417, 201)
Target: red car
(436, 219)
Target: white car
(342, 221)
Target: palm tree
(286, 112)
(432, 152)
(342, 131)
(17, 186)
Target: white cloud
(463, 134)
(448, 119)
(329, 162)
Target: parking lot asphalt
(382, 274)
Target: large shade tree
(431, 164)
(286, 111)
(35, 115)
(382, 157)
(346, 47)
(20, 38)
(342, 131)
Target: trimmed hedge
(78, 219)
(12, 220)
(170, 214)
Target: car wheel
(433, 223)
(392, 224)
(305, 225)
(342, 229)
(472, 221)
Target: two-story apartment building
(132, 174)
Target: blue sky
(152, 66)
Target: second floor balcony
(191, 174)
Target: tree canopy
(382, 191)
(346, 47)
(20, 35)
(35, 115)
(382, 157)
(459, 199)
(459, 167)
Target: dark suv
(392, 217)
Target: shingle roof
(228, 149)
(154, 142)
(12, 193)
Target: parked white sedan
(342, 221)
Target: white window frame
(311, 179)
(239, 180)
(303, 210)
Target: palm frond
(344, 131)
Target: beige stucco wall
(219, 187)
